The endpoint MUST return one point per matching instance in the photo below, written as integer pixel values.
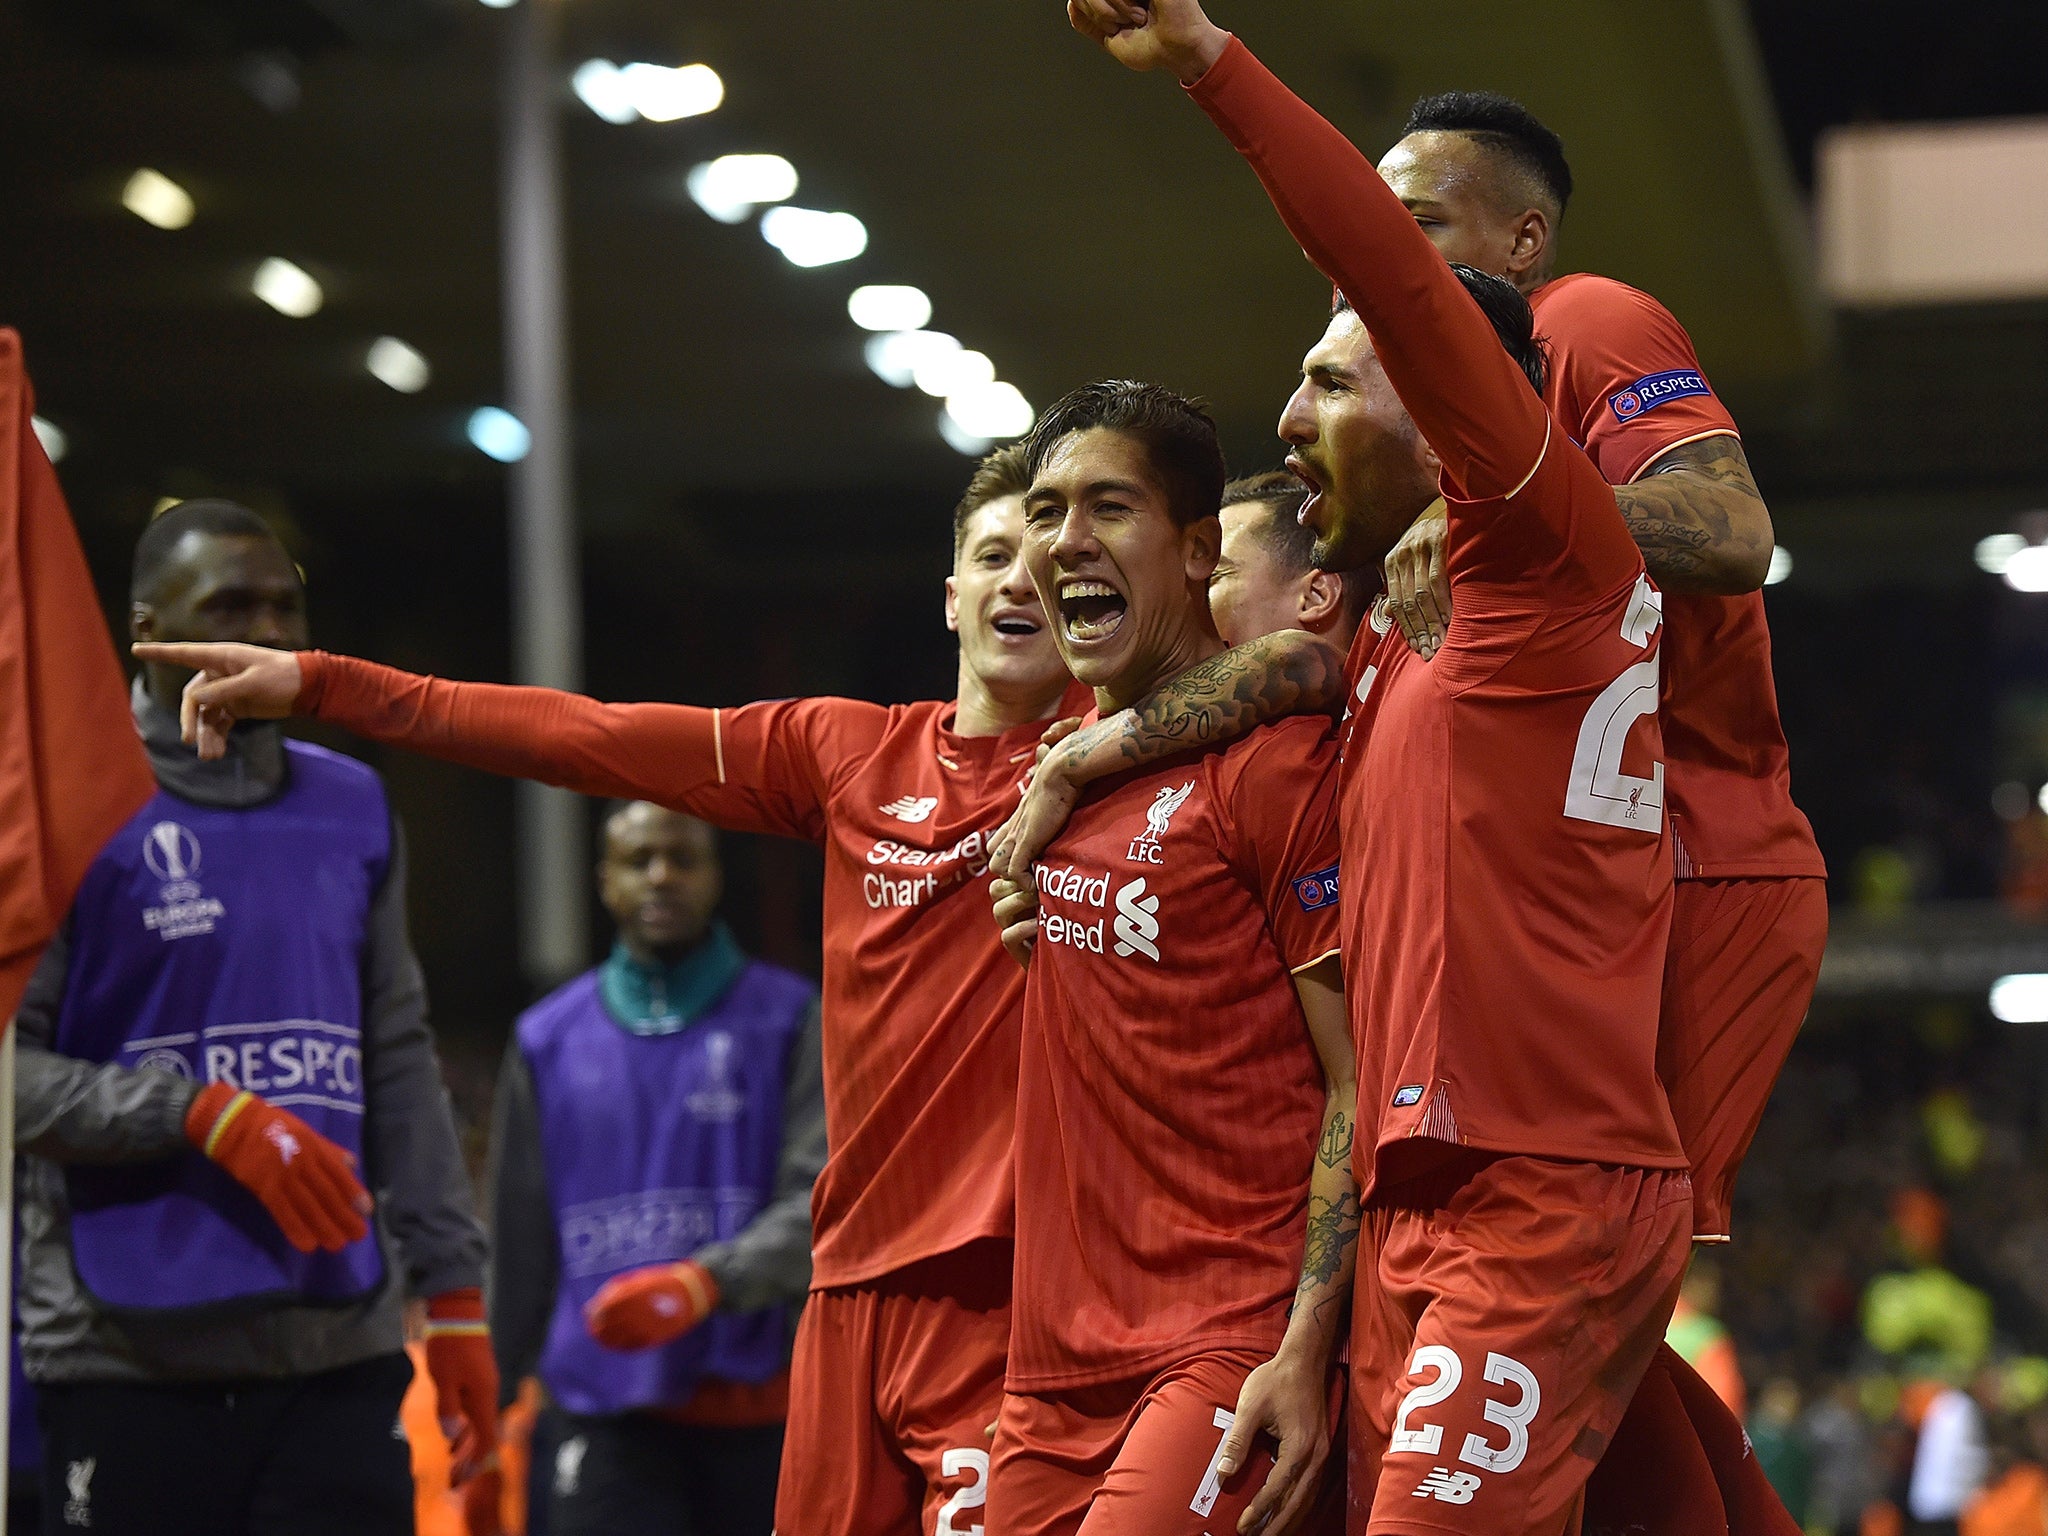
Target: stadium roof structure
(1065, 220)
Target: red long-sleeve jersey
(1502, 814)
(1626, 383)
(920, 1003)
(1170, 1097)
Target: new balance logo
(286, 1143)
(912, 808)
(1449, 1487)
(1137, 921)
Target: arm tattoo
(1332, 1230)
(1335, 1150)
(1699, 519)
(1226, 696)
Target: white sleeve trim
(1309, 965)
(718, 744)
(1549, 422)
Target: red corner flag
(71, 767)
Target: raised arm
(1288, 672)
(1467, 396)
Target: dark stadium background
(760, 516)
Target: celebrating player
(1267, 580)
(1527, 1205)
(1186, 1059)
(1488, 183)
(900, 1354)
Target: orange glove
(305, 1181)
(483, 1503)
(465, 1376)
(646, 1307)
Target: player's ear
(1203, 541)
(1321, 596)
(1532, 243)
(952, 605)
(141, 621)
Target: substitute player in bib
(1488, 183)
(1185, 1098)
(1527, 1206)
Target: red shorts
(1738, 976)
(893, 1388)
(1131, 1458)
(1680, 1465)
(1505, 1309)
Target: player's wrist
(1195, 58)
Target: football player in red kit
(1527, 1205)
(900, 1353)
(1488, 183)
(1185, 1099)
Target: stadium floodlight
(600, 87)
(663, 95)
(51, 436)
(809, 238)
(403, 367)
(499, 5)
(287, 288)
(1781, 566)
(993, 410)
(156, 199)
(895, 355)
(2020, 999)
(889, 307)
(731, 187)
(1995, 551)
(498, 434)
(960, 440)
(2027, 570)
(943, 375)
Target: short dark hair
(1000, 474)
(1177, 432)
(153, 550)
(1500, 123)
(1294, 546)
(1513, 321)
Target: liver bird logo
(1161, 810)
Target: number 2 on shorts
(971, 1496)
(1515, 1417)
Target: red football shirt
(1503, 804)
(1170, 1097)
(920, 1003)
(1626, 384)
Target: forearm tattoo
(1332, 1233)
(1226, 696)
(1699, 519)
(1335, 1150)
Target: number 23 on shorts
(1513, 1415)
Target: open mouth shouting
(1090, 610)
(1017, 624)
(1310, 516)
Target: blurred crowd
(1881, 1318)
